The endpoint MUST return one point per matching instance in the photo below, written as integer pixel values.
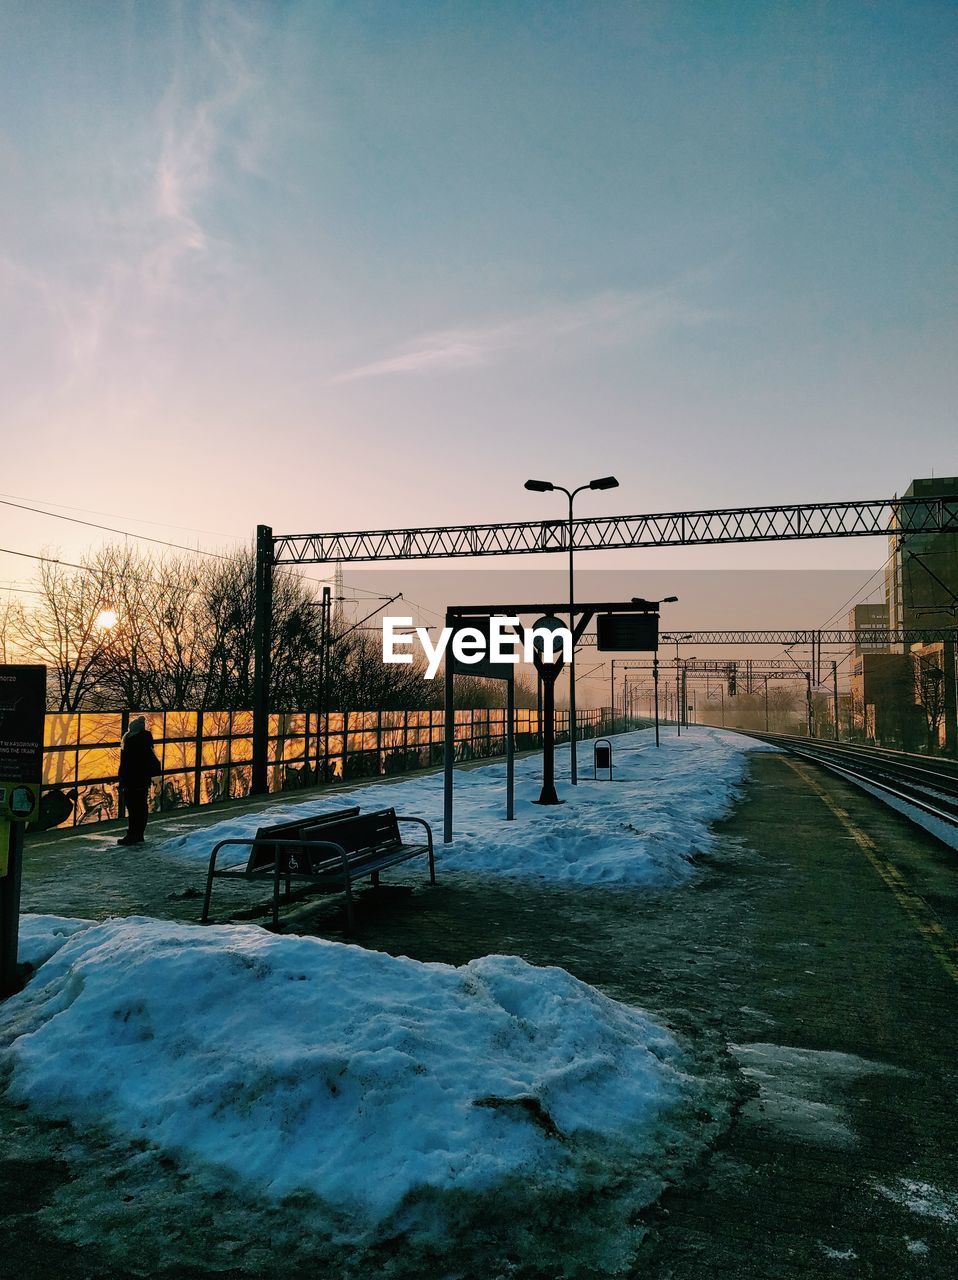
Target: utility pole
(262, 658)
(808, 702)
(835, 698)
(766, 704)
(678, 688)
(573, 720)
(322, 716)
(655, 685)
(678, 717)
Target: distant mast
(336, 607)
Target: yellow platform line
(927, 924)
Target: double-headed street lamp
(546, 486)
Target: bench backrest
(262, 857)
(373, 832)
(376, 830)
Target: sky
(343, 265)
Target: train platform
(810, 963)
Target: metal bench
(328, 853)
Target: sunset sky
(339, 265)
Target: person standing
(138, 767)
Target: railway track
(924, 788)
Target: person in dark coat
(138, 767)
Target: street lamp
(683, 710)
(546, 486)
(678, 691)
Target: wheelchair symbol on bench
(293, 864)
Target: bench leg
(204, 918)
(276, 897)
(375, 879)
(349, 905)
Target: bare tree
(175, 632)
(69, 630)
(8, 620)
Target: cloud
(601, 319)
(136, 223)
(199, 127)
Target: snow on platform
(295, 1066)
(642, 828)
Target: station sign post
(487, 669)
(22, 707)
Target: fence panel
(206, 755)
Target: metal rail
(862, 636)
(866, 638)
(868, 518)
(924, 783)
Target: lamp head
(540, 486)
(604, 482)
(670, 600)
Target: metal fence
(206, 755)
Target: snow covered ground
(296, 1066)
(642, 828)
(386, 1091)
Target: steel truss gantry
(870, 518)
(898, 517)
(718, 666)
(867, 637)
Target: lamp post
(546, 486)
(683, 709)
(655, 683)
(678, 687)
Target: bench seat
(329, 853)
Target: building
(883, 700)
(921, 589)
(868, 617)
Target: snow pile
(295, 1065)
(42, 936)
(641, 828)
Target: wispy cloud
(142, 217)
(197, 129)
(602, 318)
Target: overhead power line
(29, 555)
(106, 528)
(20, 505)
(112, 515)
